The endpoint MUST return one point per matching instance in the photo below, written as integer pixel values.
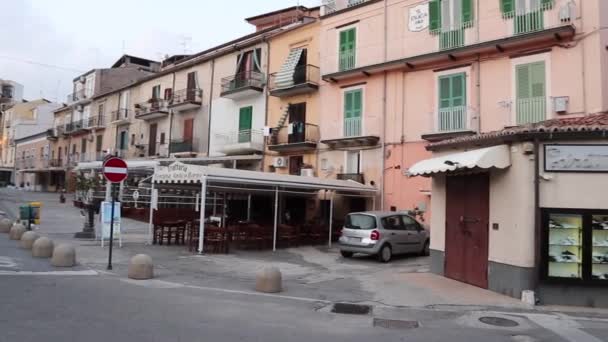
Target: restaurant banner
(576, 158)
(178, 173)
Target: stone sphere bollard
(64, 256)
(5, 225)
(268, 280)
(16, 231)
(28, 239)
(42, 248)
(141, 267)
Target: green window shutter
(348, 104)
(434, 16)
(467, 12)
(537, 79)
(343, 40)
(458, 90)
(523, 81)
(245, 119)
(352, 38)
(507, 7)
(357, 103)
(445, 92)
(547, 4)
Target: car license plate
(354, 239)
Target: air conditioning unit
(279, 162)
(307, 172)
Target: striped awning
(284, 78)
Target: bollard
(28, 239)
(5, 225)
(16, 231)
(141, 267)
(42, 248)
(268, 280)
(64, 255)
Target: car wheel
(346, 254)
(426, 251)
(385, 254)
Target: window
(100, 110)
(452, 103)
(245, 124)
(295, 165)
(353, 107)
(531, 101)
(528, 14)
(392, 223)
(192, 81)
(41, 152)
(168, 94)
(123, 141)
(74, 149)
(156, 92)
(449, 19)
(360, 221)
(162, 138)
(99, 143)
(347, 48)
(132, 139)
(353, 162)
(409, 223)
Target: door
(98, 147)
(299, 74)
(467, 224)
(352, 162)
(395, 232)
(297, 120)
(245, 122)
(191, 87)
(295, 165)
(152, 140)
(415, 240)
(188, 132)
(353, 108)
(348, 40)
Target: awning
(492, 157)
(150, 164)
(284, 78)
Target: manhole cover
(351, 309)
(498, 321)
(395, 324)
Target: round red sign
(115, 170)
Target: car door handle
(393, 233)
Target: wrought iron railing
(352, 127)
(193, 95)
(303, 74)
(77, 96)
(150, 106)
(121, 114)
(243, 136)
(455, 118)
(347, 59)
(243, 80)
(182, 145)
(531, 110)
(295, 133)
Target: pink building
(402, 73)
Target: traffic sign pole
(115, 171)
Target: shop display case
(575, 245)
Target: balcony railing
(347, 59)
(186, 96)
(182, 146)
(52, 162)
(457, 118)
(297, 133)
(357, 177)
(152, 108)
(332, 6)
(531, 110)
(305, 78)
(121, 115)
(243, 81)
(352, 127)
(77, 96)
(240, 141)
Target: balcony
(186, 99)
(52, 163)
(510, 33)
(330, 7)
(78, 96)
(120, 116)
(243, 85)
(52, 134)
(96, 122)
(303, 80)
(530, 110)
(352, 136)
(240, 142)
(148, 151)
(151, 109)
(181, 146)
(452, 122)
(295, 138)
(356, 177)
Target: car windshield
(360, 221)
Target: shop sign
(576, 158)
(178, 173)
(419, 18)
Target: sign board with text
(106, 209)
(576, 158)
(418, 18)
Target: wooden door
(467, 229)
(297, 119)
(188, 130)
(152, 139)
(191, 86)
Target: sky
(45, 44)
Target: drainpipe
(210, 106)
(266, 101)
(170, 119)
(383, 142)
(537, 223)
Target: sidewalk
(310, 272)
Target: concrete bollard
(5, 225)
(28, 239)
(16, 231)
(141, 267)
(42, 248)
(64, 255)
(268, 280)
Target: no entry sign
(115, 170)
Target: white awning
(491, 157)
(284, 78)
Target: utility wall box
(560, 104)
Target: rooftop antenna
(185, 42)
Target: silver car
(383, 234)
